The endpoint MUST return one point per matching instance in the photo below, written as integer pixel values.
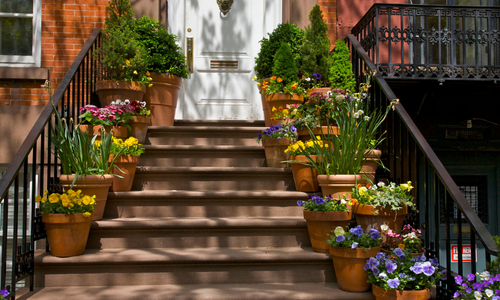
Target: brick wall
(329, 8)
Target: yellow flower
(54, 198)
(127, 62)
(71, 193)
(131, 141)
(38, 198)
(86, 200)
(285, 112)
(363, 190)
(253, 78)
(339, 231)
(46, 192)
(135, 72)
(87, 214)
(65, 200)
(274, 109)
(97, 143)
(150, 85)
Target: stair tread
(202, 223)
(186, 255)
(244, 123)
(243, 291)
(257, 147)
(177, 129)
(220, 170)
(230, 194)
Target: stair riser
(160, 274)
(200, 139)
(211, 182)
(203, 159)
(157, 208)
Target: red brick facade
(329, 8)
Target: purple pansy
(340, 239)
(390, 266)
(393, 283)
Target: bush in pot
(167, 64)
(341, 75)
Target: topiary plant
(284, 65)
(341, 75)
(164, 55)
(316, 48)
(288, 33)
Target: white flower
(127, 101)
(308, 79)
(489, 293)
(329, 93)
(384, 227)
(478, 295)
(364, 95)
(381, 184)
(342, 201)
(382, 275)
(143, 103)
(340, 97)
(356, 115)
(367, 118)
(113, 102)
(360, 112)
(485, 276)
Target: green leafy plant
(285, 32)
(382, 195)
(318, 109)
(164, 55)
(327, 203)
(341, 75)
(315, 52)
(494, 266)
(354, 238)
(69, 202)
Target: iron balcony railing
(432, 42)
(441, 204)
(34, 169)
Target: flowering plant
(355, 238)
(278, 85)
(134, 107)
(312, 82)
(479, 286)
(317, 109)
(3, 293)
(304, 148)
(408, 241)
(69, 202)
(277, 132)
(327, 203)
(130, 146)
(401, 271)
(111, 115)
(284, 113)
(383, 195)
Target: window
(20, 33)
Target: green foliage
(284, 65)
(494, 266)
(381, 195)
(341, 75)
(164, 55)
(69, 202)
(287, 33)
(354, 238)
(316, 48)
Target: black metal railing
(35, 168)
(409, 157)
(432, 42)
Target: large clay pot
(281, 99)
(161, 98)
(304, 177)
(263, 98)
(97, 185)
(127, 165)
(67, 234)
(120, 132)
(381, 294)
(139, 128)
(275, 152)
(349, 267)
(371, 164)
(322, 90)
(305, 135)
(339, 185)
(369, 217)
(320, 223)
(112, 90)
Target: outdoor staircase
(206, 219)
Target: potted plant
(324, 214)
(275, 140)
(484, 285)
(350, 249)
(113, 118)
(167, 64)
(67, 219)
(304, 176)
(127, 157)
(341, 75)
(137, 113)
(315, 54)
(121, 57)
(399, 275)
(409, 240)
(382, 204)
(264, 62)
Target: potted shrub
(315, 54)
(341, 75)
(121, 57)
(264, 62)
(67, 219)
(275, 140)
(324, 214)
(399, 275)
(350, 249)
(113, 118)
(167, 64)
(128, 153)
(382, 204)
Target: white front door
(224, 47)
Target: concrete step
(198, 233)
(203, 156)
(160, 266)
(241, 291)
(220, 123)
(213, 178)
(204, 204)
(202, 135)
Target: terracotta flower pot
(139, 128)
(263, 98)
(305, 177)
(161, 98)
(369, 217)
(370, 166)
(339, 185)
(67, 234)
(128, 164)
(112, 90)
(281, 99)
(320, 223)
(120, 132)
(275, 152)
(97, 185)
(381, 294)
(349, 267)
(322, 90)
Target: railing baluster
(15, 220)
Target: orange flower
(353, 201)
(272, 119)
(368, 185)
(264, 82)
(127, 63)
(273, 78)
(147, 74)
(279, 79)
(264, 87)
(280, 108)
(358, 186)
(402, 246)
(294, 86)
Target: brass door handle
(190, 54)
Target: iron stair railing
(34, 169)
(409, 157)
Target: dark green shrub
(164, 55)
(316, 48)
(494, 266)
(284, 65)
(288, 33)
(341, 75)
